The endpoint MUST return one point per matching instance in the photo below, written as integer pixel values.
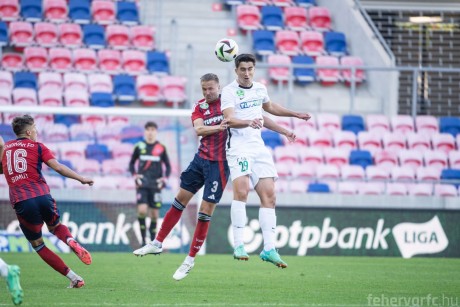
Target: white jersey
(247, 103)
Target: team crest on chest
(240, 94)
(204, 105)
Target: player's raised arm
(278, 110)
(202, 130)
(234, 122)
(67, 172)
(272, 125)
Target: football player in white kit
(243, 102)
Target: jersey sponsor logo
(250, 103)
(149, 158)
(213, 120)
(207, 112)
(211, 196)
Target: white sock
(189, 259)
(156, 243)
(267, 220)
(3, 268)
(238, 215)
(72, 275)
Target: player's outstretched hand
(256, 123)
(87, 181)
(304, 116)
(223, 125)
(291, 136)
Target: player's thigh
(49, 210)
(30, 219)
(263, 166)
(265, 189)
(216, 174)
(192, 179)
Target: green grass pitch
(117, 279)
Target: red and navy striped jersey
(212, 147)
(22, 163)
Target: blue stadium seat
(449, 125)
(80, 11)
(361, 157)
(66, 119)
(451, 174)
(304, 75)
(102, 100)
(6, 131)
(31, 10)
(124, 88)
(353, 123)
(271, 138)
(94, 36)
(25, 79)
(318, 188)
(3, 34)
(305, 3)
(263, 42)
(335, 43)
(157, 62)
(131, 134)
(127, 12)
(99, 152)
(272, 17)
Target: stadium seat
(100, 83)
(327, 76)
(113, 167)
(271, 139)
(386, 158)
(280, 73)
(312, 43)
(402, 124)
(345, 140)
(263, 42)
(303, 75)
(75, 81)
(352, 172)
(435, 158)
(21, 33)
(283, 3)
(445, 190)
(287, 42)
(272, 18)
(320, 18)
(94, 36)
(43, 120)
(55, 10)
(420, 189)
(98, 152)
(4, 37)
(56, 133)
(426, 124)
(320, 139)
(71, 35)
(335, 43)
(24, 97)
(353, 123)
(127, 12)
(134, 61)
(449, 125)
(259, 2)
(55, 182)
(122, 151)
(127, 185)
(124, 88)
(109, 60)
(50, 96)
(72, 151)
(31, 10)
(6, 80)
(327, 171)
(88, 167)
(142, 37)
(118, 36)
(102, 99)
(396, 189)
(318, 188)
(451, 174)
(443, 141)
(303, 170)
(286, 154)
(419, 141)
(9, 10)
(402, 173)
(12, 61)
(306, 3)
(36, 58)
(25, 79)
(283, 168)
(85, 60)
(328, 122)
(173, 89)
(310, 156)
(377, 123)
(295, 186)
(454, 159)
(46, 34)
(79, 11)
(60, 59)
(336, 156)
(248, 17)
(411, 158)
(371, 188)
(347, 76)
(296, 18)
(93, 120)
(347, 188)
(5, 97)
(103, 11)
(360, 157)
(76, 98)
(284, 122)
(157, 63)
(374, 172)
(394, 141)
(131, 134)
(6, 131)
(81, 132)
(148, 89)
(428, 174)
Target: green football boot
(13, 284)
(273, 257)
(240, 254)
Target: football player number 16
(17, 161)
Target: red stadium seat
(76, 98)
(36, 58)
(87, 167)
(454, 159)
(327, 171)
(435, 158)
(320, 139)
(420, 189)
(100, 83)
(149, 89)
(320, 18)
(134, 61)
(21, 33)
(394, 141)
(51, 97)
(374, 172)
(113, 167)
(117, 120)
(284, 3)
(173, 89)
(345, 139)
(122, 151)
(85, 59)
(60, 59)
(279, 74)
(428, 173)
(352, 172)
(24, 97)
(55, 10)
(327, 76)
(303, 170)
(93, 120)
(51, 80)
(81, 132)
(445, 190)
(402, 124)
(46, 34)
(347, 188)
(287, 42)
(371, 188)
(75, 81)
(443, 141)
(328, 122)
(312, 43)
(72, 151)
(286, 154)
(9, 9)
(402, 173)
(70, 35)
(12, 61)
(346, 73)
(396, 189)
(295, 18)
(283, 168)
(248, 17)
(426, 124)
(118, 36)
(411, 158)
(55, 182)
(103, 11)
(109, 60)
(142, 37)
(377, 123)
(311, 156)
(5, 97)
(6, 80)
(336, 156)
(386, 158)
(418, 141)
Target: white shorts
(257, 162)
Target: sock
(52, 259)
(170, 220)
(72, 276)
(201, 231)
(153, 229)
(238, 216)
(142, 227)
(267, 220)
(62, 233)
(3, 268)
(189, 259)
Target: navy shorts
(33, 212)
(151, 197)
(212, 174)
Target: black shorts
(151, 197)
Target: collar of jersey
(246, 88)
